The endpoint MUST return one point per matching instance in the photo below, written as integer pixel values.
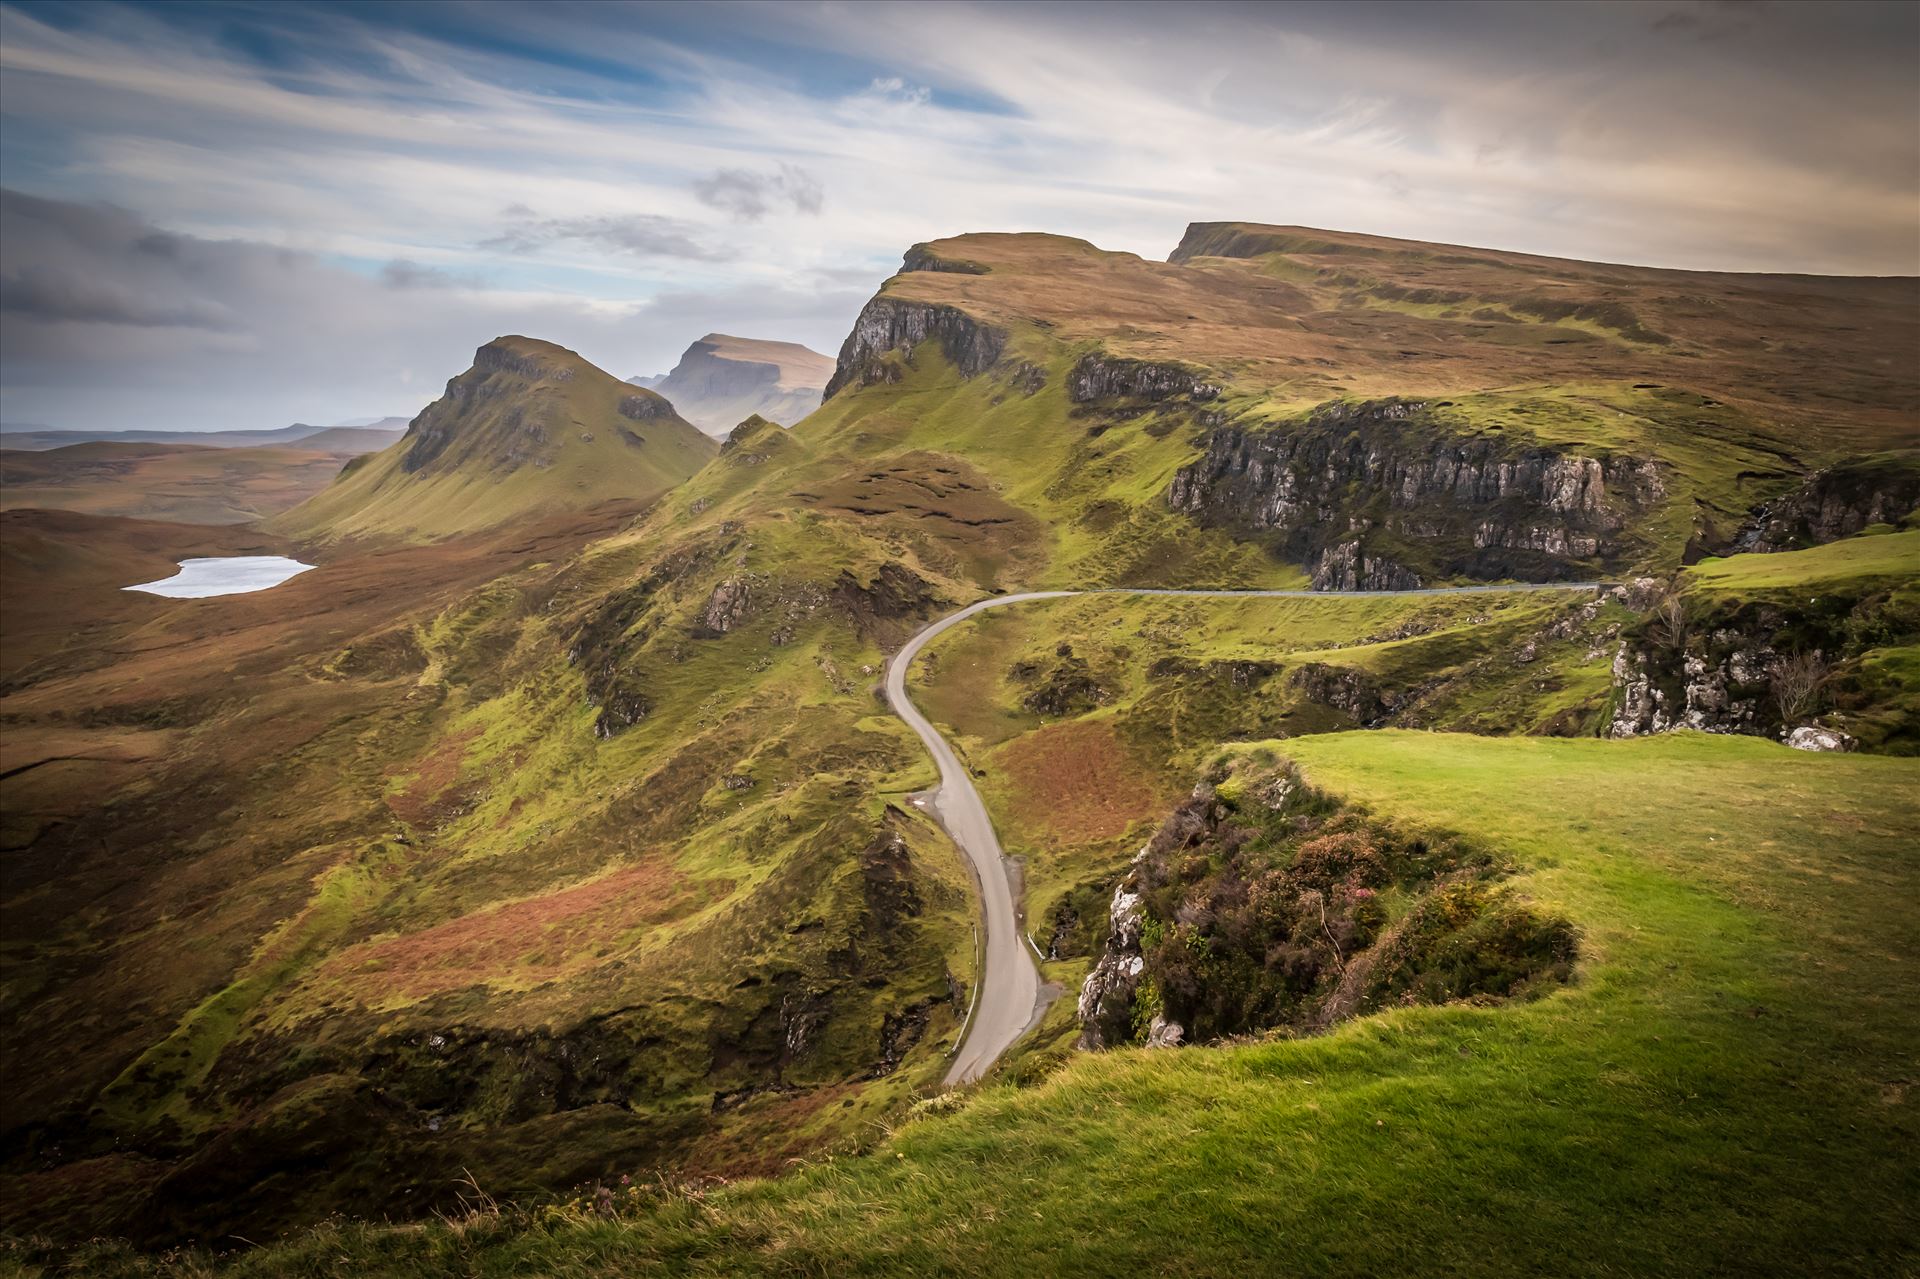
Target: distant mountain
(722, 380)
(38, 437)
(530, 429)
(354, 440)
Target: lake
(224, 575)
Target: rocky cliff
(888, 324)
(1376, 495)
(1837, 501)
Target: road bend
(1007, 991)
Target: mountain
(182, 482)
(352, 441)
(723, 380)
(580, 846)
(530, 428)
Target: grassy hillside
(1723, 1089)
(169, 481)
(546, 837)
(530, 428)
(1728, 387)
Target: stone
(1811, 737)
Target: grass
(1074, 797)
(1725, 1089)
(1856, 561)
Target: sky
(236, 216)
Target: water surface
(224, 575)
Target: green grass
(1725, 1089)
(1889, 557)
(1168, 667)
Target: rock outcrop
(921, 257)
(1811, 737)
(726, 608)
(1099, 376)
(1106, 996)
(1472, 506)
(1719, 684)
(889, 323)
(1346, 689)
(1346, 567)
(1837, 502)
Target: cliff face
(1100, 376)
(900, 324)
(1837, 502)
(1356, 490)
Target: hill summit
(531, 427)
(722, 379)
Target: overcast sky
(241, 215)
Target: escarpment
(1374, 495)
(890, 323)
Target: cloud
(108, 321)
(404, 273)
(76, 264)
(641, 234)
(748, 196)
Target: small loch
(224, 575)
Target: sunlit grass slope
(1726, 1088)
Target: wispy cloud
(640, 234)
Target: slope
(1722, 1091)
(530, 427)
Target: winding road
(1007, 992)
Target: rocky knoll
(1099, 376)
(1259, 904)
(1353, 475)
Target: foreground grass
(1726, 1089)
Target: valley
(1327, 628)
